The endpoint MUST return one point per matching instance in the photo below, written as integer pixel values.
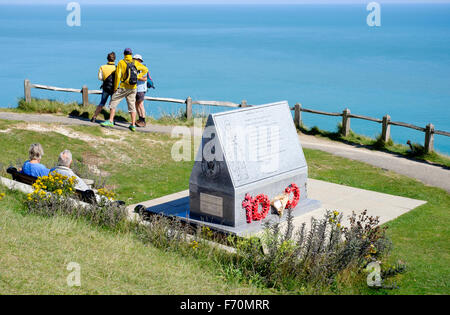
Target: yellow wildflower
(194, 245)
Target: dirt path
(427, 173)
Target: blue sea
(323, 56)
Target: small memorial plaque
(212, 205)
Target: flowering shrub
(54, 183)
(291, 259)
(371, 239)
(207, 233)
(106, 193)
(104, 213)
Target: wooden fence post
(244, 103)
(27, 91)
(298, 115)
(429, 138)
(84, 92)
(189, 108)
(346, 122)
(386, 131)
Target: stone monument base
(177, 205)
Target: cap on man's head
(127, 51)
(138, 57)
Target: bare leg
(97, 111)
(133, 118)
(140, 109)
(112, 114)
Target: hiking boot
(107, 124)
(140, 123)
(132, 128)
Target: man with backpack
(142, 86)
(127, 76)
(106, 74)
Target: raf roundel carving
(210, 169)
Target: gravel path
(427, 173)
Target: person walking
(106, 74)
(125, 86)
(142, 85)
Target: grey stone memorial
(254, 150)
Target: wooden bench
(87, 196)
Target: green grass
(141, 163)
(420, 237)
(139, 166)
(36, 251)
(378, 144)
(20, 140)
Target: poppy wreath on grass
(251, 205)
(292, 188)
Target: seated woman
(33, 167)
(63, 168)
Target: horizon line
(138, 3)
(223, 2)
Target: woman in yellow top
(106, 74)
(127, 73)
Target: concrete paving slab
(347, 199)
(342, 198)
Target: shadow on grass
(76, 110)
(86, 115)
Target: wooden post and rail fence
(346, 115)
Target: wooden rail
(298, 109)
(385, 122)
(85, 92)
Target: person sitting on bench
(33, 166)
(63, 168)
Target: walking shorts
(122, 93)
(140, 96)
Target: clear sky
(214, 1)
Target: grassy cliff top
(139, 167)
